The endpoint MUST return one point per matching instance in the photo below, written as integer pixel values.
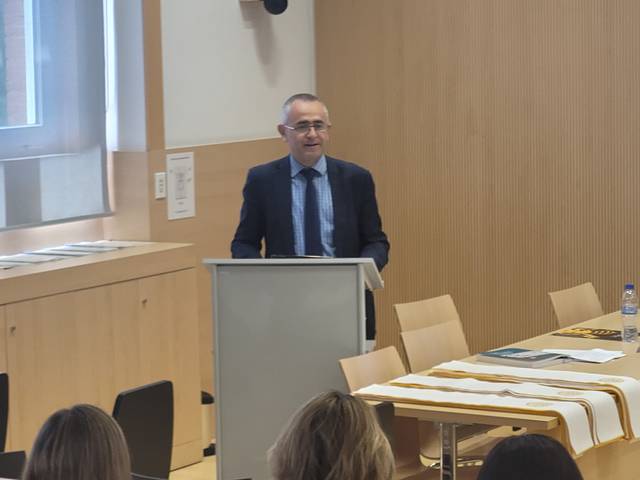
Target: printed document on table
(595, 355)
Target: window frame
(69, 58)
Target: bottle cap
(629, 286)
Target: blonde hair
(79, 443)
(333, 437)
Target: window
(52, 111)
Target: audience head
(79, 443)
(529, 457)
(333, 437)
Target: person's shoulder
(266, 169)
(347, 167)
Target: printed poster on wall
(180, 186)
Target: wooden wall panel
(503, 136)
(3, 340)
(220, 172)
(131, 195)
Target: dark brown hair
(529, 457)
(333, 437)
(79, 443)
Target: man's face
(306, 144)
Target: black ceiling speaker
(275, 7)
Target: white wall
(3, 213)
(229, 65)
(126, 123)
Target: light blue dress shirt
(325, 205)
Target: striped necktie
(313, 245)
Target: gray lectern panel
(280, 331)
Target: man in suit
(308, 203)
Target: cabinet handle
(12, 330)
(144, 302)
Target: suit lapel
(282, 197)
(336, 180)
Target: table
(615, 460)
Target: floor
(205, 470)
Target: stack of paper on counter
(573, 416)
(117, 243)
(626, 390)
(29, 258)
(601, 408)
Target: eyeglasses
(319, 127)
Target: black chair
(145, 415)
(385, 412)
(4, 409)
(12, 464)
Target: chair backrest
(576, 304)
(424, 313)
(145, 415)
(427, 347)
(378, 366)
(12, 464)
(4, 409)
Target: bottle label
(629, 309)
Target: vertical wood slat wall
(504, 137)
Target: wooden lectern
(280, 326)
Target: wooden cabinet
(138, 325)
(3, 341)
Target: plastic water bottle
(629, 310)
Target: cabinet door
(169, 349)
(61, 352)
(89, 345)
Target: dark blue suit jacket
(266, 214)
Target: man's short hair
(303, 97)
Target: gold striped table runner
(601, 408)
(573, 416)
(626, 390)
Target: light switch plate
(161, 185)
